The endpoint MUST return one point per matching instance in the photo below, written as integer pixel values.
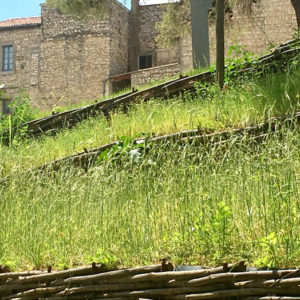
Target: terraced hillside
(138, 203)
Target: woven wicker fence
(152, 282)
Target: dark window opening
(7, 58)
(145, 61)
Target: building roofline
(17, 23)
(19, 26)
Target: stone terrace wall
(272, 22)
(145, 76)
(26, 44)
(149, 16)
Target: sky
(29, 8)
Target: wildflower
(135, 155)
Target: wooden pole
(296, 5)
(220, 43)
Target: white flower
(140, 141)
(135, 155)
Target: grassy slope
(197, 205)
(240, 105)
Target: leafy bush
(21, 112)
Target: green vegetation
(201, 205)
(196, 204)
(239, 105)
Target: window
(7, 58)
(145, 61)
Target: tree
(168, 29)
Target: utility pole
(220, 43)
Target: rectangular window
(7, 58)
(145, 61)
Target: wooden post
(220, 43)
(296, 5)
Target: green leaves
(82, 8)
(125, 146)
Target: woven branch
(36, 293)
(272, 298)
(140, 293)
(238, 293)
(19, 287)
(103, 277)
(154, 283)
(269, 283)
(164, 276)
(105, 288)
(215, 278)
(62, 274)
(11, 275)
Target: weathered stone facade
(26, 43)
(82, 55)
(142, 77)
(149, 16)
(270, 23)
(61, 60)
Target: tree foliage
(82, 8)
(180, 13)
(169, 29)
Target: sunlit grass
(200, 205)
(197, 204)
(239, 105)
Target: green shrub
(21, 112)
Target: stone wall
(119, 39)
(75, 58)
(26, 45)
(149, 16)
(65, 60)
(145, 76)
(272, 22)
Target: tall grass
(241, 104)
(201, 205)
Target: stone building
(60, 60)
